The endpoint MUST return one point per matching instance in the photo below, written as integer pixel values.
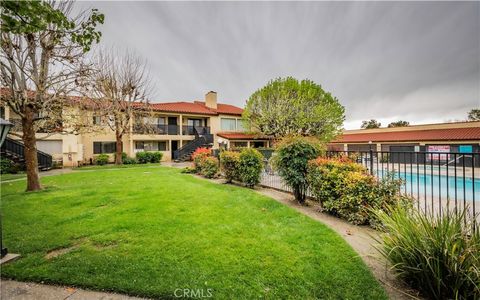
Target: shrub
(155, 157)
(101, 159)
(209, 166)
(128, 160)
(198, 156)
(6, 165)
(250, 166)
(229, 161)
(188, 170)
(291, 161)
(346, 190)
(440, 256)
(142, 157)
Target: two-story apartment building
(173, 126)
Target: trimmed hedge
(149, 157)
(230, 161)
(250, 166)
(101, 159)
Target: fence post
(371, 161)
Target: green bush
(188, 170)
(149, 157)
(155, 157)
(229, 161)
(101, 159)
(439, 256)
(142, 157)
(250, 166)
(209, 167)
(128, 160)
(7, 166)
(344, 189)
(291, 159)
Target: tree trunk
(119, 147)
(30, 151)
(299, 195)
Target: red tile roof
(242, 136)
(447, 134)
(196, 107)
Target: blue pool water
(425, 185)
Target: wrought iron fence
(438, 181)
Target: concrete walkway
(14, 290)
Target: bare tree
(122, 85)
(41, 62)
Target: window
(97, 120)
(151, 146)
(104, 147)
(2, 112)
(240, 125)
(228, 124)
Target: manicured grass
(149, 231)
(114, 166)
(5, 177)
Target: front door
(174, 147)
(172, 125)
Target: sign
(438, 149)
(465, 149)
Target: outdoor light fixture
(4, 129)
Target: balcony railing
(156, 129)
(190, 130)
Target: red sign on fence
(442, 151)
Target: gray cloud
(383, 60)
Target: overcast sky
(418, 62)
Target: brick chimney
(211, 99)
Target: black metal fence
(439, 181)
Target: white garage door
(50, 147)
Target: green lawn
(148, 231)
(4, 177)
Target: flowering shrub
(344, 188)
(230, 161)
(250, 166)
(198, 156)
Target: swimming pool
(438, 186)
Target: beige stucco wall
(77, 149)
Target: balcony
(192, 130)
(156, 129)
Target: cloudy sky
(414, 61)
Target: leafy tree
(399, 124)
(371, 124)
(474, 114)
(291, 160)
(286, 106)
(42, 51)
